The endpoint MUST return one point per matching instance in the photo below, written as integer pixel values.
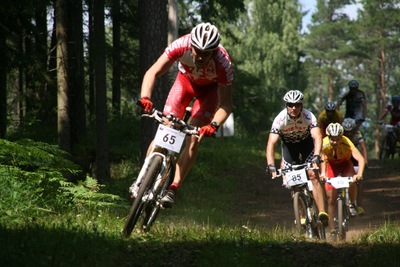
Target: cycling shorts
(297, 153)
(183, 92)
(344, 169)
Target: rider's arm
(364, 107)
(160, 67)
(270, 149)
(317, 137)
(323, 165)
(225, 104)
(364, 151)
(384, 115)
(361, 162)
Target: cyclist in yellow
(337, 151)
(328, 115)
(350, 131)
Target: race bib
(169, 138)
(297, 177)
(340, 182)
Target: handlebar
(306, 166)
(177, 122)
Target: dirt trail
(264, 203)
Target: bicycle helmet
(205, 36)
(353, 84)
(395, 98)
(330, 105)
(293, 96)
(334, 129)
(349, 124)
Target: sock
(174, 187)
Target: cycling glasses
(291, 105)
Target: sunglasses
(291, 105)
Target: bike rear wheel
(138, 203)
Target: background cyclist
(349, 127)
(205, 75)
(394, 110)
(301, 142)
(336, 153)
(356, 103)
(328, 115)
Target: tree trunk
(116, 78)
(153, 40)
(173, 29)
(76, 95)
(64, 129)
(102, 160)
(3, 83)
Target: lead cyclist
(205, 76)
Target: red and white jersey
(294, 131)
(218, 70)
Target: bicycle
(342, 221)
(305, 209)
(389, 142)
(158, 170)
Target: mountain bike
(389, 142)
(342, 220)
(158, 170)
(305, 209)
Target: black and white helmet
(330, 105)
(205, 36)
(334, 129)
(293, 96)
(349, 124)
(353, 84)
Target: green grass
(198, 231)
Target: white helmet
(205, 36)
(334, 129)
(349, 124)
(293, 96)
(330, 105)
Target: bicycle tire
(341, 209)
(151, 211)
(138, 203)
(300, 211)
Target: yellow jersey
(324, 119)
(337, 155)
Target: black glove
(316, 159)
(270, 169)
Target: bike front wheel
(138, 203)
(341, 219)
(152, 209)
(300, 212)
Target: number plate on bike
(297, 177)
(340, 182)
(169, 138)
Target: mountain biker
(394, 110)
(356, 103)
(336, 153)
(301, 141)
(205, 75)
(328, 115)
(349, 127)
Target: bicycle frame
(342, 221)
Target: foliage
(33, 183)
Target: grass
(196, 232)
